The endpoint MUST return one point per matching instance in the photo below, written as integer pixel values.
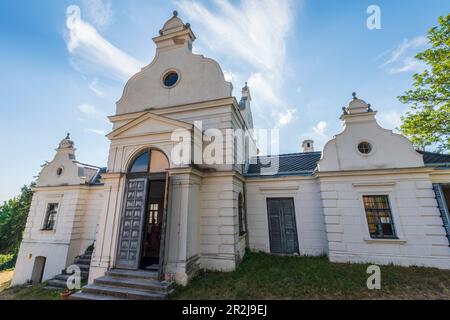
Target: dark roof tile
(287, 164)
(431, 158)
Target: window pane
(170, 79)
(140, 164)
(159, 162)
(50, 216)
(379, 216)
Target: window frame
(391, 212)
(149, 151)
(165, 74)
(46, 216)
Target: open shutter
(442, 208)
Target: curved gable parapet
(200, 79)
(388, 149)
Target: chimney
(308, 146)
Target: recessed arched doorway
(38, 270)
(143, 223)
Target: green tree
(427, 123)
(13, 217)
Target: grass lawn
(262, 276)
(24, 292)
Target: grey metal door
(282, 226)
(132, 224)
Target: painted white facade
(203, 229)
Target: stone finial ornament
(369, 108)
(354, 96)
(175, 13)
(66, 143)
(344, 110)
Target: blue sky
(64, 65)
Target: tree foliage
(13, 217)
(427, 123)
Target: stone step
(62, 277)
(138, 274)
(83, 261)
(83, 268)
(57, 283)
(84, 274)
(90, 296)
(134, 283)
(65, 277)
(123, 293)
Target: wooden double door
(282, 226)
(142, 231)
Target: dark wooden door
(282, 226)
(132, 225)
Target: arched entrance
(142, 231)
(38, 270)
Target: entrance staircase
(60, 281)
(120, 284)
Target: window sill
(47, 230)
(387, 240)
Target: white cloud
(229, 75)
(320, 129)
(403, 58)
(96, 131)
(98, 11)
(410, 64)
(390, 120)
(255, 32)
(406, 44)
(285, 118)
(96, 89)
(88, 48)
(90, 112)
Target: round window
(365, 148)
(59, 172)
(170, 79)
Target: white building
(368, 197)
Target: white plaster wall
(219, 230)
(201, 79)
(422, 239)
(389, 150)
(74, 229)
(55, 254)
(308, 212)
